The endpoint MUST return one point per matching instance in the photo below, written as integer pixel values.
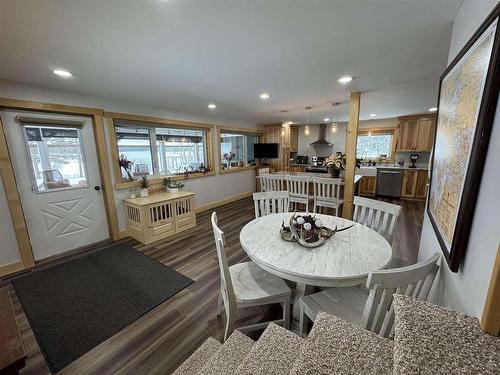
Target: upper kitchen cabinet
(416, 133)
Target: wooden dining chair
(270, 202)
(245, 285)
(373, 311)
(273, 182)
(327, 193)
(298, 189)
(377, 215)
(260, 173)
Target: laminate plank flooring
(161, 340)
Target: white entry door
(55, 163)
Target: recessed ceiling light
(326, 119)
(265, 96)
(373, 114)
(212, 106)
(433, 109)
(63, 73)
(345, 79)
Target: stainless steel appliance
(321, 142)
(293, 157)
(302, 159)
(316, 169)
(389, 181)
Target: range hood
(322, 138)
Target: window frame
(381, 131)
(154, 122)
(241, 131)
(32, 173)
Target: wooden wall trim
(107, 184)
(350, 152)
(14, 202)
(490, 321)
(48, 107)
(156, 120)
(8, 269)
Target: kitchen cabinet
(414, 184)
(297, 168)
(422, 184)
(367, 185)
(416, 133)
(288, 140)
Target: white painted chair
(327, 194)
(245, 285)
(373, 311)
(298, 188)
(273, 182)
(270, 202)
(377, 215)
(260, 172)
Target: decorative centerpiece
(336, 164)
(307, 230)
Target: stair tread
(273, 354)
(335, 346)
(227, 359)
(196, 361)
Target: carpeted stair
(227, 359)
(198, 359)
(428, 339)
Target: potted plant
(172, 186)
(336, 164)
(144, 186)
(228, 156)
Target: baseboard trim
(10, 268)
(222, 202)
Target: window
(236, 149)
(374, 145)
(134, 144)
(57, 159)
(161, 151)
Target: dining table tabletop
(345, 259)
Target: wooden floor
(162, 339)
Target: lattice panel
(160, 212)
(133, 214)
(183, 206)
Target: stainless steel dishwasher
(389, 181)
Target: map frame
(487, 103)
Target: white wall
(208, 189)
(466, 290)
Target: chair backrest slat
(225, 278)
(270, 202)
(272, 182)
(415, 280)
(379, 216)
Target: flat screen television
(265, 150)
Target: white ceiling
(182, 55)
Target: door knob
(97, 187)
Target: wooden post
(490, 321)
(350, 153)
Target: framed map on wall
(468, 95)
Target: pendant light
(334, 124)
(307, 128)
(284, 124)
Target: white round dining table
(345, 259)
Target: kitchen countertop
(357, 177)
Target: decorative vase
(132, 193)
(334, 172)
(144, 193)
(173, 190)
